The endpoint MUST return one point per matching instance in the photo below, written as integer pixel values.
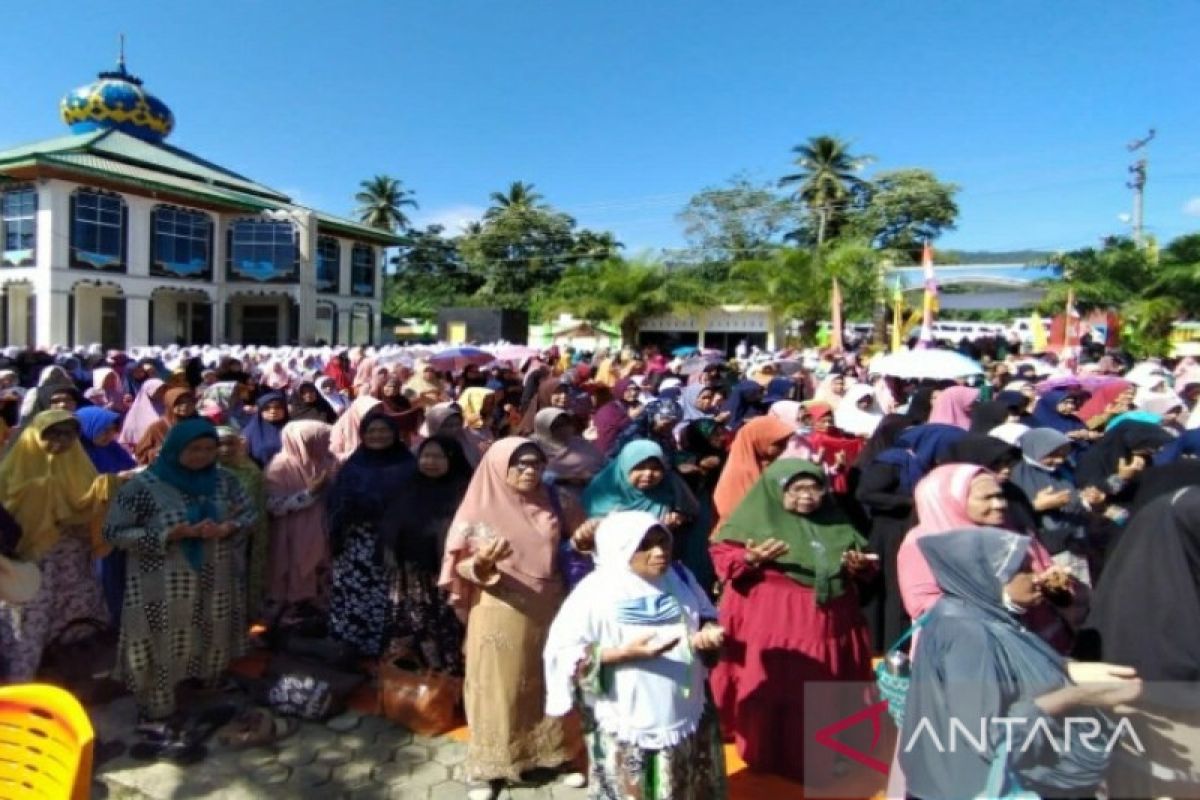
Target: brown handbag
(421, 699)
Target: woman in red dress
(788, 558)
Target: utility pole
(1138, 184)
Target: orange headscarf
(747, 459)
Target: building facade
(110, 235)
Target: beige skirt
(505, 691)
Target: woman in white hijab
(858, 414)
(627, 647)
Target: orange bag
(424, 701)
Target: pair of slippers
(181, 742)
(256, 727)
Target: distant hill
(991, 256)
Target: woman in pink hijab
(953, 406)
(344, 438)
(296, 481)
(145, 411)
(955, 497)
(501, 572)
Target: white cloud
(1192, 207)
(452, 218)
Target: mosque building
(111, 235)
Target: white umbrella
(932, 364)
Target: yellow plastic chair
(45, 744)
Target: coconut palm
(519, 198)
(382, 201)
(827, 181)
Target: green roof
(155, 179)
(351, 228)
(122, 147)
(118, 156)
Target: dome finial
(121, 53)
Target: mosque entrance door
(260, 325)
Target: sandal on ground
(176, 749)
(208, 722)
(256, 728)
(484, 790)
(573, 780)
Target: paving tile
(450, 790)
(344, 723)
(334, 756)
(256, 757)
(353, 775)
(410, 792)
(411, 754)
(391, 773)
(450, 753)
(269, 774)
(297, 754)
(428, 773)
(311, 776)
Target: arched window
(360, 324)
(362, 270)
(98, 228)
(181, 244)
(265, 251)
(329, 264)
(18, 219)
(326, 328)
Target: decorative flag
(897, 317)
(930, 305)
(1072, 322)
(835, 304)
(1038, 333)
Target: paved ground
(351, 756)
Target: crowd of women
(631, 560)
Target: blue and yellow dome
(117, 100)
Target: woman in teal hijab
(182, 524)
(639, 479)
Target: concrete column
(345, 325)
(137, 321)
(138, 210)
(306, 222)
(218, 316)
(344, 248)
(54, 224)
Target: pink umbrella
(516, 353)
(456, 358)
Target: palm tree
(520, 198)
(626, 293)
(827, 180)
(382, 201)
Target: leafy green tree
(521, 245)
(1103, 277)
(905, 209)
(626, 293)
(827, 182)
(429, 274)
(382, 200)
(739, 221)
(594, 246)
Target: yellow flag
(1038, 331)
(897, 319)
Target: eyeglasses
(529, 466)
(805, 488)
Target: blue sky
(619, 110)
